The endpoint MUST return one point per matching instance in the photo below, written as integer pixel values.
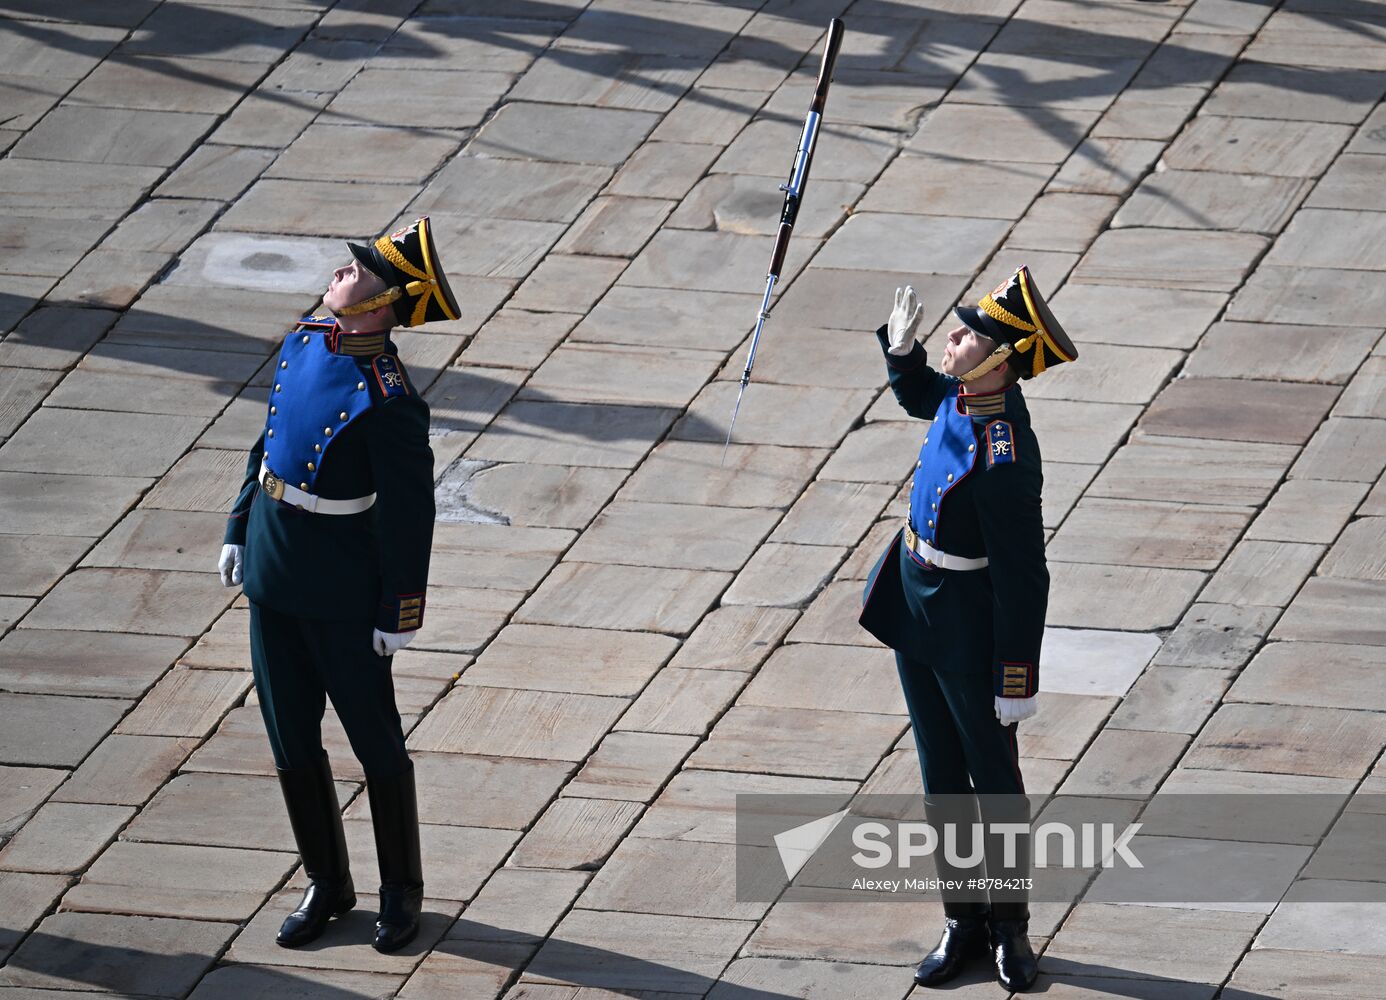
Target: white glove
(904, 320)
(231, 565)
(390, 643)
(1010, 710)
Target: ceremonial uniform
(960, 592)
(335, 517)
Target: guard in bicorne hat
(960, 593)
(330, 536)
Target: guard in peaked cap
(960, 593)
(416, 288)
(330, 536)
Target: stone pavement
(623, 634)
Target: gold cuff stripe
(412, 602)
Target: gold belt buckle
(273, 485)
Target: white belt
(280, 490)
(934, 557)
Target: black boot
(395, 815)
(964, 936)
(1016, 965)
(316, 819)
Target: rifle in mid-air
(793, 196)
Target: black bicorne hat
(407, 261)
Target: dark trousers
(971, 768)
(298, 664)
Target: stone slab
(1280, 352)
(672, 317)
(595, 595)
(1312, 975)
(231, 982)
(971, 131)
(1148, 533)
(747, 203)
(186, 702)
(203, 480)
(576, 834)
(158, 539)
(1307, 510)
(631, 766)
(879, 241)
(1171, 699)
(72, 192)
(795, 416)
(112, 135)
(701, 805)
(788, 576)
(211, 86)
(1334, 610)
(827, 678)
(1208, 471)
(846, 744)
(1349, 184)
(1277, 675)
(832, 617)
(517, 723)
(886, 931)
(144, 956)
(586, 661)
(1342, 448)
(1217, 636)
(1102, 310)
(677, 536)
(1287, 739)
(1143, 935)
(1296, 93)
(1166, 258)
(1185, 199)
(1090, 595)
(632, 375)
(615, 226)
(1264, 573)
(54, 337)
(679, 877)
(125, 770)
(33, 563)
(734, 638)
(692, 472)
(218, 172)
(313, 208)
(1093, 661)
(172, 880)
(832, 513)
(147, 602)
(627, 951)
(53, 730)
(218, 810)
(1110, 373)
(931, 186)
(1256, 146)
(683, 701)
(810, 980)
(522, 130)
(539, 495)
(710, 261)
(96, 442)
(508, 189)
(1124, 762)
(555, 433)
(1106, 166)
(29, 896)
(63, 837)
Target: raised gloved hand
(231, 565)
(390, 643)
(904, 320)
(1010, 710)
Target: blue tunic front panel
(315, 396)
(945, 460)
